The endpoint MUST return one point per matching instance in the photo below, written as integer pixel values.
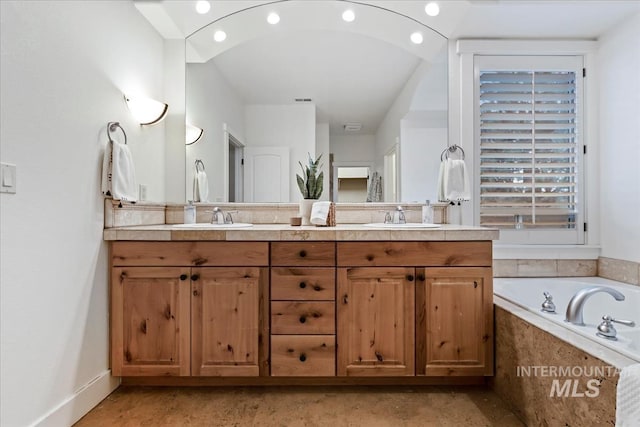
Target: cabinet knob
(183, 277)
(303, 253)
(303, 357)
(195, 293)
(303, 285)
(195, 277)
(303, 319)
(410, 277)
(475, 284)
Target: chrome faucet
(397, 217)
(219, 217)
(576, 304)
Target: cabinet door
(150, 321)
(228, 305)
(376, 329)
(455, 322)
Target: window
(530, 147)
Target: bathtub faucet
(576, 305)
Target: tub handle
(548, 306)
(606, 329)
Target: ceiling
(354, 71)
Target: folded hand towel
(202, 187)
(123, 175)
(441, 183)
(456, 181)
(320, 213)
(628, 399)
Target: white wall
(64, 69)
(211, 101)
(292, 126)
(619, 76)
(174, 90)
(323, 146)
(353, 148)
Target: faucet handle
(387, 218)
(630, 323)
(548, 306)
(228, 219)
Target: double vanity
(276, 304)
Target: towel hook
(451, 149)
(199, 163)
(112, 127)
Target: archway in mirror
(316, 84)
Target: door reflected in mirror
(271, 95)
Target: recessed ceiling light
(417, 38)
(348, 15)
(202, 7)
(432, 9)
(219, 36)
(273, 18)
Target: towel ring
(112, 127)
(451, 149)
(199, 163)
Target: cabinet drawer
(303, 317)
(227, 254)
(419, 254)
(320, 254)
(290, 283)
(303, 355)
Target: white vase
(305, 210)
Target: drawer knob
(410, 277)
(183, 277)
(303, 357)
(303, 285)
(195, 277)
(421, 277)
(303, 253)
(303, 319)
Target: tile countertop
(284, 232)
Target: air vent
(352, 127)
(303, 100)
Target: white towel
(123, 174)
(628, 398)
(200, 186)
(456, 181)
(320, 213)
(441, 183)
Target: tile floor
(301, 406)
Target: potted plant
(310, 185)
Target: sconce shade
(146, 111)
(193, 134)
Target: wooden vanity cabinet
(376, 321)
(150, 316)
(189, 308)
(455, 322)
(303, 325)
(444, 289)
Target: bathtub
(524, 296)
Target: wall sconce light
(193, 134)
(146, 111)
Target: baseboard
(82, 401)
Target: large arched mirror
(360, 93)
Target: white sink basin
(407, 225)
(206, 225)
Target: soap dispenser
(190, 213)
(427, 213)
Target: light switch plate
(7, 178)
